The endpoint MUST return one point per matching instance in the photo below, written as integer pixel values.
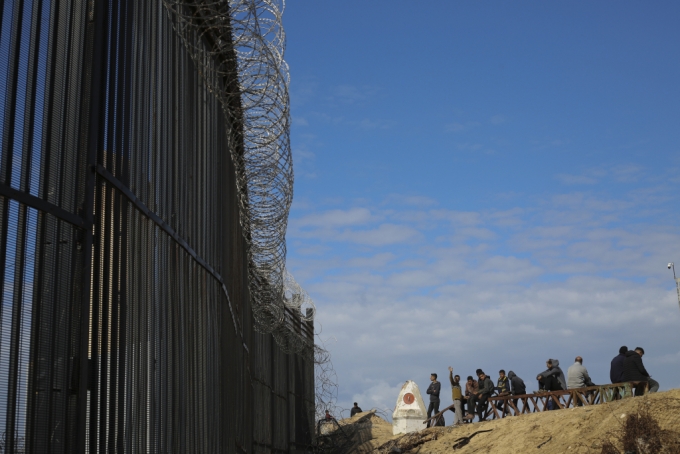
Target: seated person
(577, 375)
(503, 385)
(481, 397)
(552, 379)
(471, 388)
(634, 370)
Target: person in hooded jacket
(517, 387)
(552, 379)
(634, 370)
(616, 370)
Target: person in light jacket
(577, 375)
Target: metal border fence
(126, 322)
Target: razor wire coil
(246, 38)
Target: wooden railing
(501, 406)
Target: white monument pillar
(410, 411)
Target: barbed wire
(237, 47)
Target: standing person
(616, 370)
(471, 388)
(355, 409)
(433, 391)
(482, 396)
(552, 379)
(634, 370)
(457, 396)
(577, 375)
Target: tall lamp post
(677, 281)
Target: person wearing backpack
(457, 396)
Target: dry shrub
(641, 434)
(609, 448)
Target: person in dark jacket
(355, 409)
(503, 385)
(516, 384)
(433, 390)
(480, 399)
(634, 370)
(616, 370)
(552, 379)
(517, 387)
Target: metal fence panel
(126, 322)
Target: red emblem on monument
(409, 398)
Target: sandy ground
(575, 430)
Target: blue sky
(485, 184)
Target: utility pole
(677, 281)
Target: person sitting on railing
(502, 388)
(481, 397)
(517, 387)
(552, 379)
(471, 388)
(616, 370)
(577, 375)
(634, 370)
(503, 385)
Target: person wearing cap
(433, 391)
(481, 398)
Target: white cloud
(408, 291)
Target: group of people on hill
(625, 367)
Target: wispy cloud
(461, 127)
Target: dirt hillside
(575, 430)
